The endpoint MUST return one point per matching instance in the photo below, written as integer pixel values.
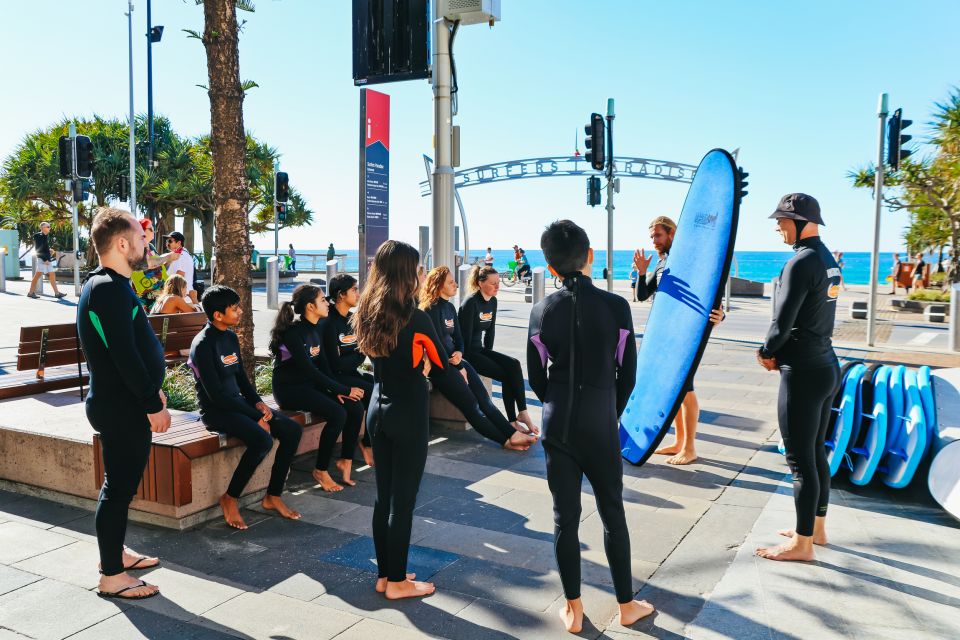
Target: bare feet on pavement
(231, 512)
(634, 610)
(670, 450)
(274, 503)
(382, 582)
(798, 549)
(367, 455)
(326, 483)
(572, 615)
(133, 561)
(684, 457)
(346, 467)
(408, 589)
(113, 584)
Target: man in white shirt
(488, 259)
(183, 265)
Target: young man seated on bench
(229, 404)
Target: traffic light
(84, 157)
(595, 141)
(281, 212)
(66, 157)
(281, 187)
(123, 188)
(896, 140)
(593, 191)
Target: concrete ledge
(745, 288)
(447, 416)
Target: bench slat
(57, 331)
(31, 362)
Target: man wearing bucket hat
(799, 345)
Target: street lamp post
(154, 34)
(133, 137)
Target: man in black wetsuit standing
(125, 404)
(799, 345)
(586, 335)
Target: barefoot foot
(819, 537)
(131, 588)
(519, 442)
(408, 589)
(274, 503)
(367, 455)
(382, 583)
(684, 457)
(572, 616)
(670, 450)
(524, 418)
(346, 467)
(231, 512)
(795, 550)
(326, 483)
(634, 610)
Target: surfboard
(869, 446)
(906, 452)
(924, 384)
(692, 284)
(864, 406)
(944, 478)
(946, 394)
(845, 415)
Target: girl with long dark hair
(478, 320)
(461, 384)
(340, 345)
(405, 348)
(302, 381)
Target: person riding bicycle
(523, 266)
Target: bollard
(463, 272)
(273, 283)
(3, 269)
(332, 266)
(773, 294)
(33, 272)
(213, 269)
(954, 322)
(539, 284)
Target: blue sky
(793, 85)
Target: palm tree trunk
(228, 146)
(188, 232)
(206, 236)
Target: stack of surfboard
(884, 421)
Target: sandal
(136, 565)
(118, 596)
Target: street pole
(150, 102)
(276, 218)
(133, 137)
(610, 189)
(443, 175)
(76, 212)
(878, 198)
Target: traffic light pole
(610, 189)
(133, 136)
(76, 213)
(443, 175)
(878, 203)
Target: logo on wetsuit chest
(448, 323)
(486, 316)
(314, 351)
(833, 292)
(228, 360)
(347, 340)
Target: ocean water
(761, 266)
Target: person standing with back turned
(125, 404)
(799, 345)
(586, 335)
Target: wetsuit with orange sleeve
(399, 430)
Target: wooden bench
(169, 476)
(53, 353)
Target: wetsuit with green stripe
(126, 366)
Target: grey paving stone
(140, 624)
(494, 546)
(74, 564)
(360, 554)
(270, 615)
(31, 610)
(505, 621)
(19, 541)
(509, 585)
(471, 512)
(315, 507)
(185, 594)
(40, 513)
(11, 579)
(366, 629)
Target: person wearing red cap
(148, 284)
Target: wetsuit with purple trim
(340, 348)
(581, 362)
(126, 365)
(228, 405)
(302, 380)
(469, 396)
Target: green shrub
(929, 295)
(938, 278)
(180, 389)
(263, 378)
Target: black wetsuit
(228, 405)
(805, 306)
(340, 345)
(41, 246)
(399, 429)
(127, 367)
(586, 335)
(469, 396)
(302, 380)
(478, 321)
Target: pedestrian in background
(45, 255)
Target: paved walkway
(483, 533)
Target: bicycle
(509, 278)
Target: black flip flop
(135, 566)
(116, 594)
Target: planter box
(858, 310)
(935, 313)
(917, 306)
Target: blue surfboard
(868, 448)
(907, 451)
(691, 285)
(845, 415)
(925, 385)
